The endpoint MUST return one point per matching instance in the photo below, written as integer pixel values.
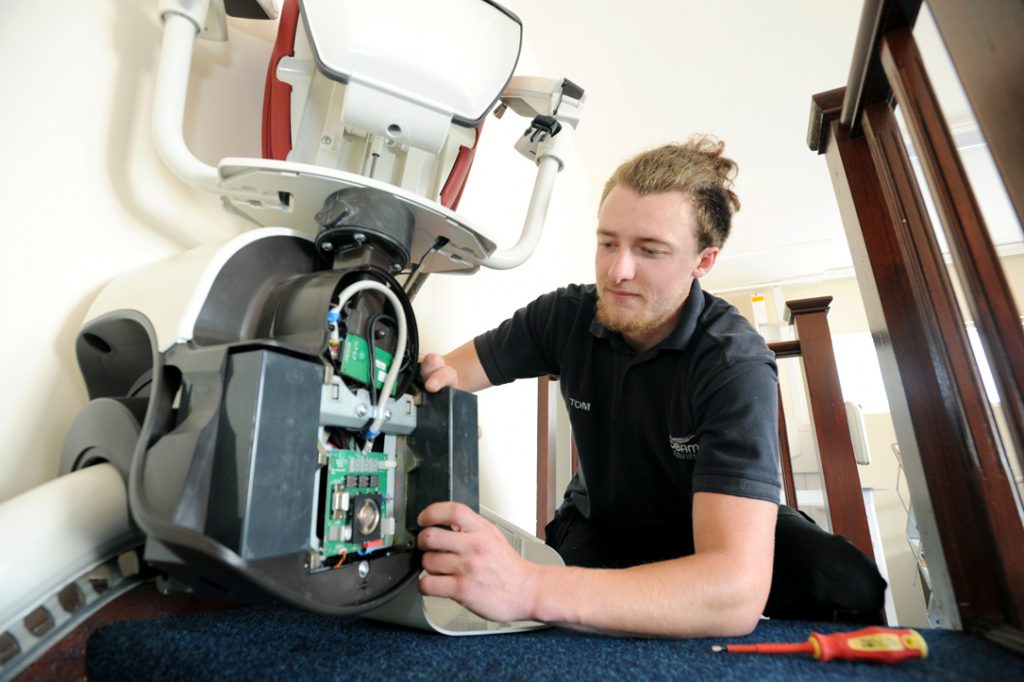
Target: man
(669, 526)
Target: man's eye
(652, 252)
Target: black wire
(380, 317)
(438, 244)
(370, 348)
(407, 354)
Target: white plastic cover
(448, 57)
(412, 609)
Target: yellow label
(877, 642)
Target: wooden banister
(952, 450)
(828, 416)
(786, 459)
(547, 429)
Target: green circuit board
(355, 362)
(357, 509)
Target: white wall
(86, 198)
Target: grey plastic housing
(222, 476)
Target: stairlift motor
(258, 396)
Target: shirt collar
(678, 338)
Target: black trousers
(816, 575)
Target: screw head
(326, 139)
(359, 237)
(327, 246)
(361, 410)
(364, 569)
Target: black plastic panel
(244, 9)
(445, 446)
(261, 494)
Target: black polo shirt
(698, 412)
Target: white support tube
(550, 153)
(543, 188)
(169, 103)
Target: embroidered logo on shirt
(579, 404)
(682, 448)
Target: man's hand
(437, 373)
(473, 564)
(459, 369)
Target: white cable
(396, 361)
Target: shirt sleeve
(529, 344)
(737, 413)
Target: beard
(642, 321)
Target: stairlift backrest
(393, 100)
(363, 134)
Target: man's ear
(707, 261)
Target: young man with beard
(671, 523)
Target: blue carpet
(266, 643)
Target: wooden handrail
(965, 501)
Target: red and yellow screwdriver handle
(883, 645)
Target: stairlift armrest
(555, 107)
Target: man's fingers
(436, 373)
(439, 586)
(440, 540)
(452, 514)
(441, 563)
(445, 376)
(430, 362)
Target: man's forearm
(466, 363)
(695, 596)
(719, 590)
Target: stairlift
(254, 419)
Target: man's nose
(623, 267)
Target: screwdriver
(882, 645)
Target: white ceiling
(744, 70)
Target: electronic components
(356, 361)
(358, 513)
(371, 343)
(367, 334)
